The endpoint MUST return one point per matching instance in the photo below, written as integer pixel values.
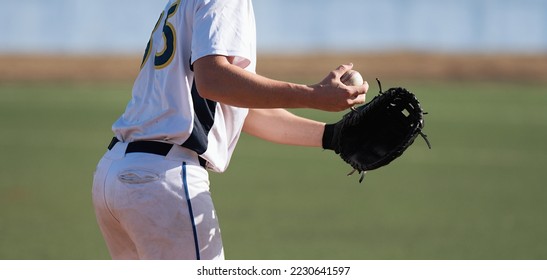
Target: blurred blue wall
(123, 26)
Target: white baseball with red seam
(352, 78)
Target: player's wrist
(304, 96)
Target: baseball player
(196, 92)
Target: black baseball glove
(375, 134)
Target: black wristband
(328, 136)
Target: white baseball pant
(151, 206)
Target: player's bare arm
(219, 80)
(282, 127)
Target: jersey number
(165, 56)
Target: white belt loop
(179, 153)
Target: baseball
(352, 78)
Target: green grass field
(480, 193)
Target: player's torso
(165, 104)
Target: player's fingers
(340, 70)
(359, 90)
(359, 95)
(365, 86)
(359, 99)
(333, 78)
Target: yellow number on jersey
(165, 56)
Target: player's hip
(122, 177)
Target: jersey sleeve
(224, 27)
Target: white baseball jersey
(165, 104)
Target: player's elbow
(209, 79)
(208, 89)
